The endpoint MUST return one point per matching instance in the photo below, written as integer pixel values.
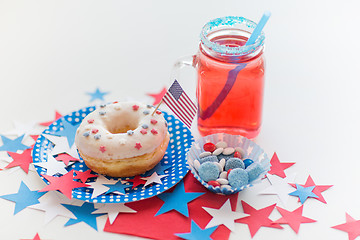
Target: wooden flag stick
(157, 107)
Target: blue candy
(238, 178)
(233, 163)
(208, 159)
(209, 171)
(254, 171)
(248, 162)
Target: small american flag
(179, 102)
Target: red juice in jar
(230, 79)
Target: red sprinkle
(115, 102)
(153, 121)
(158, 112)
(237, 155)
(209, 147)
(94, 131)
(91, 121)
(102, 149)
(153, 131)
(138, 146)
(143, 131)
(135, 107)
(214, 183)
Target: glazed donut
(122, 139)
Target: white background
(53, 52)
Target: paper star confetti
(317, 190)
(154, 178)
(160, 168)
(64, 184)
(277, 168)
(157, 96)
(84, 176)
(23, 198)
(83, 213)
(197, 233)
(68, 131)
(52, 166)
(177, 200)
(97, 95)
(352, 227)
(67, 159)
(51, 204)
(62, 146)
(22, 129)
(279, 186)
(258, 218)
(57, 116)
(13, 145)
(303, 193)
(113, 210)
(136, 181)
(293, 219)
(119, 187)
(224, 216)
(22, 160)
(99, 187)
(37, 237)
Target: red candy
(158, 112)
(94, 131)
(229, 171)
(214, 183)
(209, 147)
(237, 155)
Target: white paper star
(154, 178)
(113, 209)
(50, 203)
(62, 146)
(280, 186)
(224, 216)
(98, 186)
(52, 166)
(23, 128)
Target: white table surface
(53, 52)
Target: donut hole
(122, 124)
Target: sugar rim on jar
(230, 22)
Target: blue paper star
(12, 145)
(159, 169)
(68, 131)
(97, 95)
(83, 214)
(197, 233)
(177, 200)
(23, 198)
(118, 186)
(303, 193)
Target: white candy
(223, 175)
(196, 165)
(226, 186)
(228, 151)
(222, 162)
(204, 154)
(218, 151)
(222, 181)
(219, 166)
(221, 145)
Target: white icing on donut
(121, 130)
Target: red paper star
(157, 96)
(277, 168)
(317, 190)
(84, 176)
(137, 181)
(66, 158)
(294, 218)
(133, 224)
(64, 184)
(57, 116)
(22, 160)
(258, 218)
(37, 237)
(352, 227)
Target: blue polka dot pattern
(174, 161)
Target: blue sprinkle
(209, 171)
(130, 132)
(86, 134)
(166, 124)
(102, 113)
(233, 163)
(221, 156)
(102, 105)
(238, 178)
(208, 159)
(145, 126)
(146, 112)
(149, 106)
(248, 162)
(254, 171)
(97, 136)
